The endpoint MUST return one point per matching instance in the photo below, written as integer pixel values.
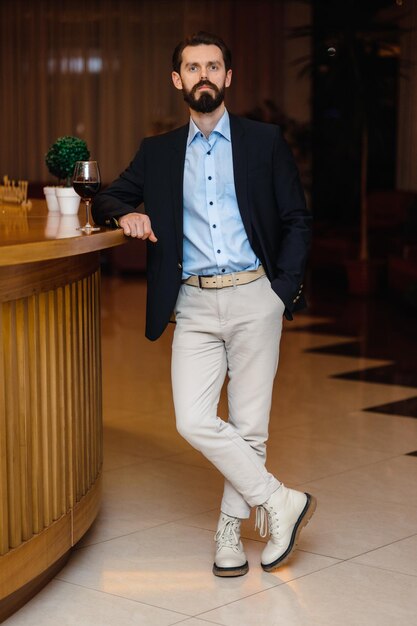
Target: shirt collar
(222, 128)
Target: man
(228, 234)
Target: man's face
(203, 77)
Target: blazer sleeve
(296, 226)
(124, 194)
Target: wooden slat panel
(76, 390)
(62, 439)
(45, 416)
(82, 393)
(69, 385)
(50, 414)
(51, 388)
(35, 413)
(4, 497)
(23, 418)
(93, 377)
(97, 352)
(89, 388)
(12, 425)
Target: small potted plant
(60, 161)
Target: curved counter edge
(32, 251)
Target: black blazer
(271, 202)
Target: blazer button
(179, 265)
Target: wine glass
(86, 182)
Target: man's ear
(228, 78)
(176, 79)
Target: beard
(206, 103)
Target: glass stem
(87, 213)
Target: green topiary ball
(62, 156)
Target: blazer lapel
(240, 165)
(177, 180)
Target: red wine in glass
(86, 190)
(86, 182)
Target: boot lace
(228, 535)
(267, 519)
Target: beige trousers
(234, 331)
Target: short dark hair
(196, 40)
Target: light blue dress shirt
(215, 240)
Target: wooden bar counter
(50, 393)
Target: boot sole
(230, 572)
(302, 521)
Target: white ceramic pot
(68, 200)
(51, 199)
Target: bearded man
(228, 234)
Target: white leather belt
(219, 281)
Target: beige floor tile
(393, 481)
(71, 605)
(133, 396)
(195, 622)
(372, 431)
(190, 457)
(343, 595)
(130, 441)
(168, 566)
(400, 556)
(296, 403)
(346, 525)
(160, 490)
(119, 518)
(150, 493)
(297, 460)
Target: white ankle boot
(285, 513)
(230, 559)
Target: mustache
(204, 83)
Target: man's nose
(203, 75)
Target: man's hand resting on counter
(137, 225)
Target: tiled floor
(147, 559)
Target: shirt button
(210, 203)
(209, 153)
(218, 251)
(214, 225)
(223, 270)
(209, 177)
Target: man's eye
(213, 67)
(192, 68)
